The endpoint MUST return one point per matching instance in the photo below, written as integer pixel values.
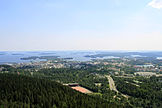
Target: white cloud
(156, 4)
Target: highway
(111, 83)
(113, 87)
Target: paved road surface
(113, 87)
(112, 84)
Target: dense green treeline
(87, 78)
(18, 91)
(147, 93)
(42, 88)
(84, 77)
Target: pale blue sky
(80, 25)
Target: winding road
(113, 87)
(111, 83)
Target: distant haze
(80, 25)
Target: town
(116, 66)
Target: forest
(17, 91)
(19, 86)
(147, 93)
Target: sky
(27, 25)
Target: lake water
(159, 58)
(15, 56)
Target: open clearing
(81, 89)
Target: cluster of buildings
(148, 68)
(114, 65)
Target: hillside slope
(21, 91)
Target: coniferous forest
(45, 88)
(18, 91)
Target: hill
(18, 91)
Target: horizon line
(81, 50)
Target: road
(112, 84)
(113, 87)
